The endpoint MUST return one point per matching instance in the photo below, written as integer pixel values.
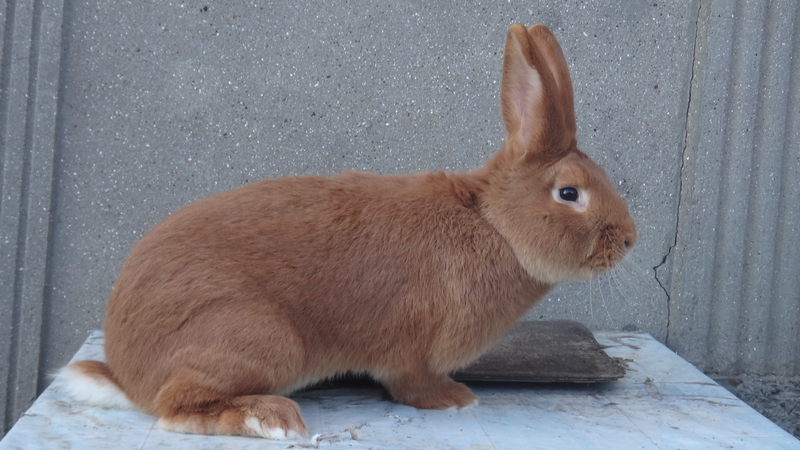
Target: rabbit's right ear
(550, 50)
(539, 122)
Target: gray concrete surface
(114, 114)
(734, 289)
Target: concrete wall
(735, 269)
(114, 114)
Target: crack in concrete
(680, 172)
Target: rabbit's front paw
(432, 392)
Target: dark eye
(568, 194)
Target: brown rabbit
(256, 292)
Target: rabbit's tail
(92, 382)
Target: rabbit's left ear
(536, 95)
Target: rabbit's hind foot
(266, 416)
(185, 405)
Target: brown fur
(261, 290)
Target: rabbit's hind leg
(189, 404)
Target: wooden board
(545, 351)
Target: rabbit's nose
(630, 237)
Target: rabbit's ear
(548, 48)
(530, 97)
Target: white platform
(662, 403)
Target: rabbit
(239, 299)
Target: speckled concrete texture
(166, 105)
(115, 114)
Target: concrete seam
(55, 180)
(756, 223)
(31, 288)
(29, 237)
(16, 397)
(5, 71)
(5, 88)
(785, 218)
(680, 173)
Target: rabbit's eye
(568, 194)
(573, 196)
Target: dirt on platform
(777, 398)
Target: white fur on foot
(177, 426)
(473, 404)
(93, 390)
(279, 434)
(470, 406)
